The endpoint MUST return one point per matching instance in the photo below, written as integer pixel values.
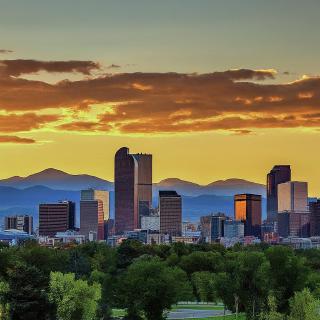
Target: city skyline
(241, 87)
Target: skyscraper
(19, 222)
(91, 194)
(133, 189)
(56, 217)
(247, 208)
(170, 211)
(293, 214)
(91, 218)
(279, 174)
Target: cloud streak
(16, 140)
(19, 67)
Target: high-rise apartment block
(278, 174)
(19, 222)
(133, 189)
(56, 217)
(247, 208)
(92, 219)
(170, 211)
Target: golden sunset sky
(213, 89)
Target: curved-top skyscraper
(278, 174)
(133, 188)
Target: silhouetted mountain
(26, 201)
(227, 187)
(59, 180)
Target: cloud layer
(238, 101)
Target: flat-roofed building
(56, 217)
(19, 222)
(170, 211)
(104, 197)
(247, 208)
(91, 219)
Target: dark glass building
(247, 208)
(294, 224)
(314, 208)
(133, 189)
(212, 227)
(170, 211)
(278, 174)
(56, 217)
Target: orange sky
(236, 96)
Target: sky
(213, 89)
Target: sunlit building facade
(247, 208)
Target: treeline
(85, 282)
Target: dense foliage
(87, 281)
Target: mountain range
(23, 194)
(60, 180)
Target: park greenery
(86, 282)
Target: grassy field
(197, 307)
(121, 312)
(232, 317)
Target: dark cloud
(5, 51)
(15, 139)
(25, 122)
(19, 67)
(113, 66)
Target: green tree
(151, 286)
(202, 261)
(304, 306)
(4, 306)
(288, 274)
(74, 299)
(271, 313)
(204, 283)
(27, 293)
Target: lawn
(230, 317)
(197, 307)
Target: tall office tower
(56, 217)
(144, 184)
(233, 229)
(314, 208)
(247, 208)
(212, 227)
(133, 189)
(19, 222)
(170, 211)
(279, 174)
(293, 196)
(92, 219)
(293, 214)
(104, 196)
